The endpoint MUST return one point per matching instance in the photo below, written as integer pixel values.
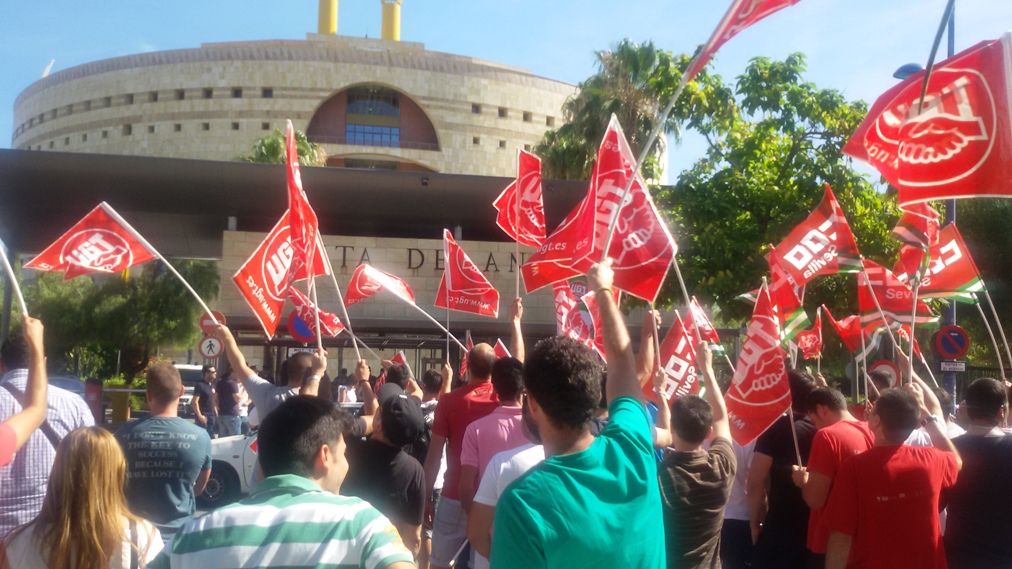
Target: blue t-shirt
(164, 456)
(600, 507)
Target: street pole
(949, 309)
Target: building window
(52, 114)
(31, 122)
(51, 143)
(151, 129)
(476, 140)
(502, 144)
(503, 113)
(128, 99)
(549, 121)
(128, 129)
(177, 127)
(180, 94)
(70, 109)
(236, 92)
(208, 93)
(66, 141)
(377, 102)
(527, 147)
(41, 117)
(475, 109)
(107, 102)
(105, 134)
(265, 126)
(528, 117)
(87, 105)
(235, 126)
(366, 135)
(153, 97)
(205, 126)
(267, 93)
(84, 137)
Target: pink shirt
(486, 437)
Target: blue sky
(851, 45)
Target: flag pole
(864, 357)
(688, 301)
(1001, 330)
(340, 299)
(447, 321)
(913, 322)
(14, 281)
(657, 345)
(931, 374)
(885, 320)
(140, 238)
(516, 228)
(316, 306)
(990, 333)
(794, 431)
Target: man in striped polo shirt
(294, 518)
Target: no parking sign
(951, 342)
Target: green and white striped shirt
(287, 522)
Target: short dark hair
(292, 434)
(163, 383)
(398, 374)
(984, 399)
(207, 368)
(297, 367)
(508, 378)
(479, 362)
(564, 377)
(691, 418)
(944, 400)
(14, 352)
(898, 410)
(880, 378)
(432, 381)
(802, 383)
(827, 396)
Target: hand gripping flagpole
(316, 305)
(14, 280)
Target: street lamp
(906, 70)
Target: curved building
(371, 103)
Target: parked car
(191, 375)
(71, 383)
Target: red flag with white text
(699, 319)
(759, 392)
(469, 344)
(784, 295)
(550, 263)
(569, 322)
(330, 324)
(590, 301)
(301, 217)
(368, 280)
(810, 341)
(678, 362)
(956, 146)
(918, 230)
(821, 245)
(741, 14)
(101, 242)
(894, 297)
(951, 272)
(529, 227)
(463, 286)
(642, 248)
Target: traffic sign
(952, 366)
(208, 325)
(951, 342)
(298, 329)
(211, 347)
(889, 368)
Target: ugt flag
(569, 322)
(956, 146)
(525, 222)
(594, 311)
(101, 242)
(500, 349)
(759, 391)
(951, 273)
(784, 296)
(821, 245)
(641, 248)
(551, 262)
(678, 362)
(463, 286)
(301, 217)
(894, 297)
(469, 345)
(330, 324)
(368, 280)
(698, 320)
(810, 341)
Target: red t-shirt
(454, 413)
(830, 447)
(886, 499)
(8, 440)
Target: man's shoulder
(162, 424)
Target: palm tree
(271, 150)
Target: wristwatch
(931, 419)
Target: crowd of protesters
(537, 460)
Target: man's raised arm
(235, 357)
(516, 335)
(622, 380)
(35, 404)
(704, 366)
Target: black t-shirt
(227, 389)
(206, 393)
(386, 477)
(787, 509)
(978, 525)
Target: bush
(137, 400)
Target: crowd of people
(543, 459)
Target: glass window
(378, 102)
(366, 135)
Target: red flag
(500, 349)
(810, 341)
(463, 285)
(821, 245)
(569, 321)
(741, 14)
(330, 324)
(401, 359)
(951, 272)
(959, 144)
(368, 280)
(642, 248)
(590, 301)
(469, 344)
(784, 295)
(529, 229)
(904, 334)
(550, 263)
(759, 391)
(699, 320)
(918, 230)
(894, 296)
(101, 242)
(678, 362)
(301, 217)
(849, 329)
(264, 279)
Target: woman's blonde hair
(81, 522)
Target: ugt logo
(277, 263)
(99, 250)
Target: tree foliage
(271, 150)
(135, 315)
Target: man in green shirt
(593, 502)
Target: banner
(759, 392)
(368, 280)
(678, 362)
(810, 341)
(641, 248)
(956, 146)
(330, 324)
(741, 14)
(821, 245)
(951, 272)
(101, 242)
(529, 228)
(463, 286)
(894, 297)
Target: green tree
(271, 150)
